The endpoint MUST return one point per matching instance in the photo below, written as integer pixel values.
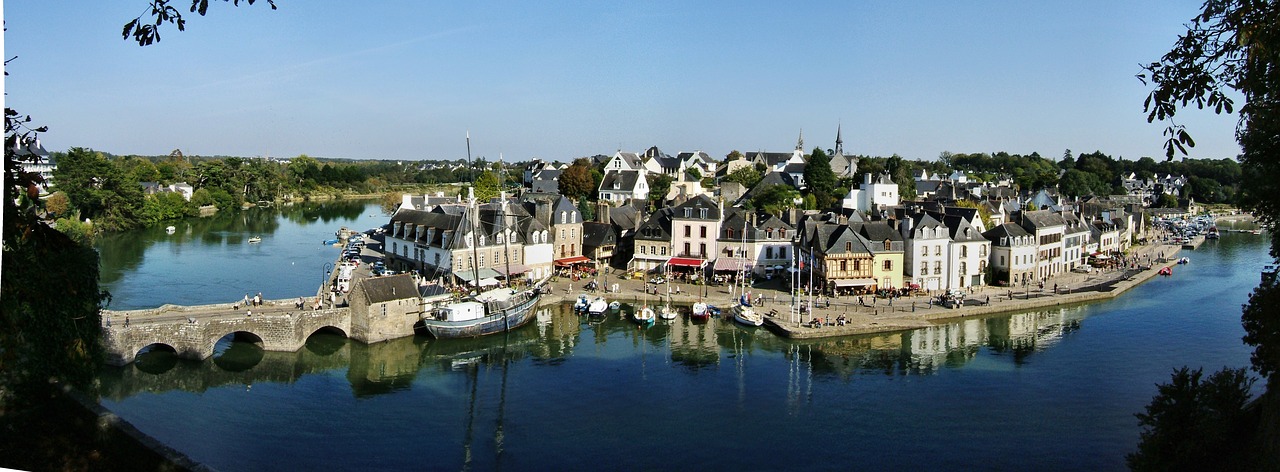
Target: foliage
(80, 232)
(747, 176)
(659, 185)
(1078, 183)
(576, 181)
(487, 186)
(1165, 201)
(776, 199)
(98, 188)
(390, 202)
(732, 156)
(588, 210)
(983, 213)
(165, 206)
(1261, 329)
(1196, 425)
(146, 33)
(49, 298)
(57, 204)
(818, 177)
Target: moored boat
(669, 313)
(746, 315)
(699, 310)
(255, 240)
(597, 307)
(490, 312)
(615, 306)
(644, 316)
(581, 305)
(170, 230)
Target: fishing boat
(255, 240)
(495, 311)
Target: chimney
(406, 201)
(602, 211)
(542, 211)
(866, 179)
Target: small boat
(255, 240)
(644, 317)
(699, 311)
(615, 306)
(1166, 271)
(746, 315)
(597, 307)
(1183, 260)
(1269, 272)
(170, 230)
(713, 310)
(1212, 234)
(330, 242)
(669, 313)
(581, 305)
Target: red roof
(572, 260)
(686, 262)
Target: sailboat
(742, 310)
(669, 313)
(495, 311)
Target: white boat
(491, 312)
(255, 240)
(581, 305)
(598, 306)
(669, 313)
(699, 310)
(170, 230)
(644, 316)
(615, 306)
(746, 315)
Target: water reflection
(396, 365)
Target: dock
(1194, 243)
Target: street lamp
(327, 268)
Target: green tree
(58, 204)
(659, 185)
(818, 176)
(487, 186)
(1197, 425)
(776, 199)
(576, 181)
(1165, 201)
(1078, 183)
(747, 176)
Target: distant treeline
(108, 189)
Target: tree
(1078, 183)
(487, 186)
(747, 176)
(1233, 46)
(776, 199)
(58, 204)
(659, 185)
(1165, 201)
(818, 175)
(390, 202)
(1197, 425)
(575, 182)
(147, 33)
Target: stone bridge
(192, 331)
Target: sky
(409, 80)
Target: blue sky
(558, 80)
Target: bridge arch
(155, 358)
(322, 341)
(238, 351)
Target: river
(1051, 390)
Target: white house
(928, 243)
(871, 196)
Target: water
(209, 260)
(1054, 390)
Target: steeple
(800, 142)
(839, 142)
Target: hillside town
(958, 233)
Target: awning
(854, 282)
(470, 275)
(731, 263)
(685, 262)
(572, 260)
(487, 282)
(515, 269)
(1101, 256)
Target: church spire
(839, 151)
(800, 142)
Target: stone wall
(276, 331)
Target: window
(844, 265)
(888, 245)
(688, 231)
(888, 265)
(937, 250)
(687, 251)
(688, 212)
(481, 263)
(702, 231)
(982, 250)
(963, 268)
(563, 219)
(1001, 261)
(702, 213)
(924, 268)
(937, 267)
(702, 250)
(730, 233)
(964, 251)
(782, 232)
(664, 250)
(768, 233)
(642, 250)
(768, 253)
(782, 253)
(848, 246)
(561, 233)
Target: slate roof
(626, 217)
(598, 234)
(769, 180)
(1009, 230)
(1041, 219)
(794, 168)
(657, 227)
(625, 179)
(695, 205)
(386, 289)
(771, 159)
(957, 225)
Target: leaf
(128, 28)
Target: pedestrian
(126, 320)
(1055, 289)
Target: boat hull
(509, 319)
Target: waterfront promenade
(878, 315)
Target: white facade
(869, 195)
(927, 246)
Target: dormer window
(616, 185)
(688, 212)
(702, 213)
(888, 245)
(848, 247)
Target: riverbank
(871, 315)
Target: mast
(473, 213)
